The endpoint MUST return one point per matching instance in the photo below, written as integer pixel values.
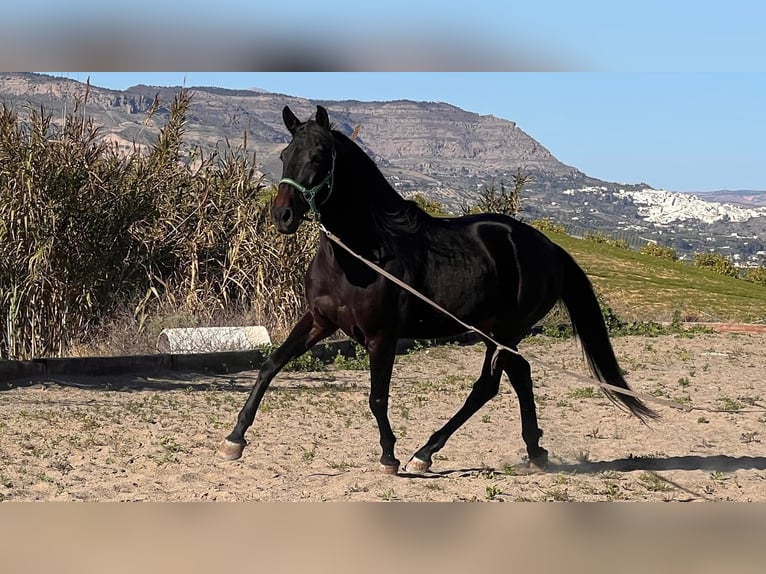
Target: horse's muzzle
(285, 219)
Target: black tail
(588, 324)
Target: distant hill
(434, 148)
(747, 197)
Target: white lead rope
(403, 285)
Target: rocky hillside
(437, 149)
(434, 148)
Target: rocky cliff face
(437, 149)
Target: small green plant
(493, 491)
(388, 495)
(306, 363)
(703, 420)
(611, 490)
(730, 405)
(170, 449)
(654, 483)
(718, 477)
(485, 419)
(342, 465)
(584, 393)
(309, 454)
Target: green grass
(644, 287)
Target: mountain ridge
(435, 148)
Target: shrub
(599, 237)
(548, 226)
(430, 206)
(505, 201)
(716, 263)
(756, 275)
(659, 251)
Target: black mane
(392, 215)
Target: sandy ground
(154, 438)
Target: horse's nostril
(287, 215)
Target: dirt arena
(314, 439)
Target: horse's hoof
(230, 450)
(389, 468)
(540, 462)
(417, 466)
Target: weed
(582, 456)
(611, 490)
(493, 491)
(749, 437)
(509, 469)
(308, 455)
(593, 433)
(561, 479)
(584, 393)
(359, 362)
(718, 477)
(485, 419)
(730, 405)
(306, 363)
(654, 483)
(557, 494)
(342, 465)
(387, 495)
(170, 449)
(703, 420)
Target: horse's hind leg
(306, 333)
(485, 387)
(518, 370)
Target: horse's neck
(362, 199)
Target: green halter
(311, 194)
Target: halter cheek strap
(310, 194)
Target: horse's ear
(291, 122)
(322, 118)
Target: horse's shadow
(711, 463)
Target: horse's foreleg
(485, 387)
(382, 353)
(306, 333)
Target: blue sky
(676, 131)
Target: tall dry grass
(96, 243)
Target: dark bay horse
(489, 270)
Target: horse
(486, 270)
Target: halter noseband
(311, 193)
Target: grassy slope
(644, 287)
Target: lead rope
(403, 285)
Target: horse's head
(308, 165)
